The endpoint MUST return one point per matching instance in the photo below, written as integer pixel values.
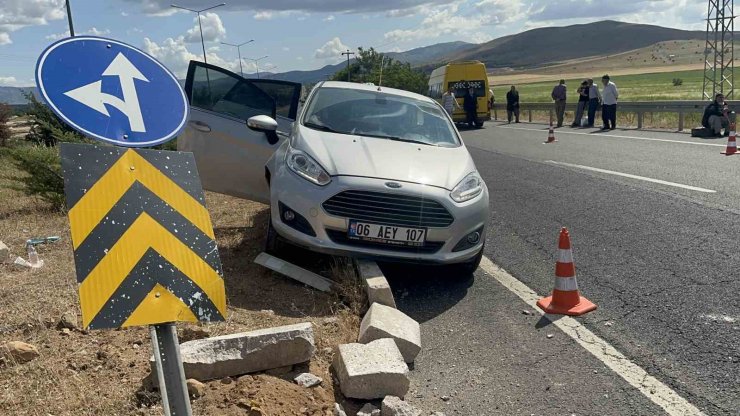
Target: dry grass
(100, 372)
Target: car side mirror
(265, 124)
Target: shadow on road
(547, 320)
(424, 292)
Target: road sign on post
(117, 94)
(144, 247)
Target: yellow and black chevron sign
(143, 241)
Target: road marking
(615, 136)
(721, 318)
(648, 385)
(627, 175)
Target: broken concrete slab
(394, 406)
(294, 272)
(308, 380)
(382, 321)
(371, 371)
(376, 285)
(368, 410)
(247, 352)
(339, 410)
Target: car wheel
(469, 267)
(274, 244)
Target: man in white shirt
(609, 98)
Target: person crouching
(715, 116)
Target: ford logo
(393, 185)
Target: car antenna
(380, 81)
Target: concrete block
(247, 352)
(371, 371)
(294, 272)
(376, 285)
(394, 406)
(4, 253)
(307, 380)
(339, 410)
(382, 321)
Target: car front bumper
(306, 199)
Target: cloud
(213, 28)
(8, 81)
(442, 21)
(156, 7)
(174, 54)
(92, 31)
(263, 15)
(328, 18)
(331, 49)
(17, 14)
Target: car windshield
(379, 115)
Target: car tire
(469, 267)
(274, 244)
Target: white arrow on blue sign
(111, 91)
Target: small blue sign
(111, 91)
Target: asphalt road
(659, 259)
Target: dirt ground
(101, 372)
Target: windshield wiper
(321, 127)
(395, 138)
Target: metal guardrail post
(530, 115)
(680, 120)
(640, 116)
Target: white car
(362, 171)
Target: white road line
(627, 175)
(648, 385)
(614, 136)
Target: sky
(301, 34)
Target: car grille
(340, 237)
(391, 209)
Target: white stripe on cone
(566, 284)
(565, 256)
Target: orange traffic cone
(731, 144)
(550, 135)
(565, 299)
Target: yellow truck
(459, 76)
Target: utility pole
(348, 53)
(202, 43)
(719, 53)
(69, 19)
(238, 49)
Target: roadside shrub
(677, 82)
(5, 113)
(43, 173)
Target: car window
(228, 94)
(381, 115)
(285, 94)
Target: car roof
(374, 88)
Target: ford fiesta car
(362, 171)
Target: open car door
(230, 156)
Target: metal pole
(239, 51)
(202, 43)
(170, 373)
(69, 19)
(348, 53)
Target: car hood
(349, 155)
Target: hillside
(15, 95)
(537, 47)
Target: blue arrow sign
(111, 91)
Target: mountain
(551, 45)
(415, 57)
(15, 95)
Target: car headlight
(468, 188)
(304, 166)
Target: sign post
(144, 247)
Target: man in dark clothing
(582, 104)
(559, 95)
(470, 105)
(715, 116)
(512, 104)
(594, 98)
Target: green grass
(641, 87)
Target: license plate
(387, 234)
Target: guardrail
(640, 108)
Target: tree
(5, 113)
(367, 65)
(47, 129)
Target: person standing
(512, 104)
(609, 104)
(449, 102)
(715, 116)
(470, 105)
(582, 103)
(559, 95)
(594, 98)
